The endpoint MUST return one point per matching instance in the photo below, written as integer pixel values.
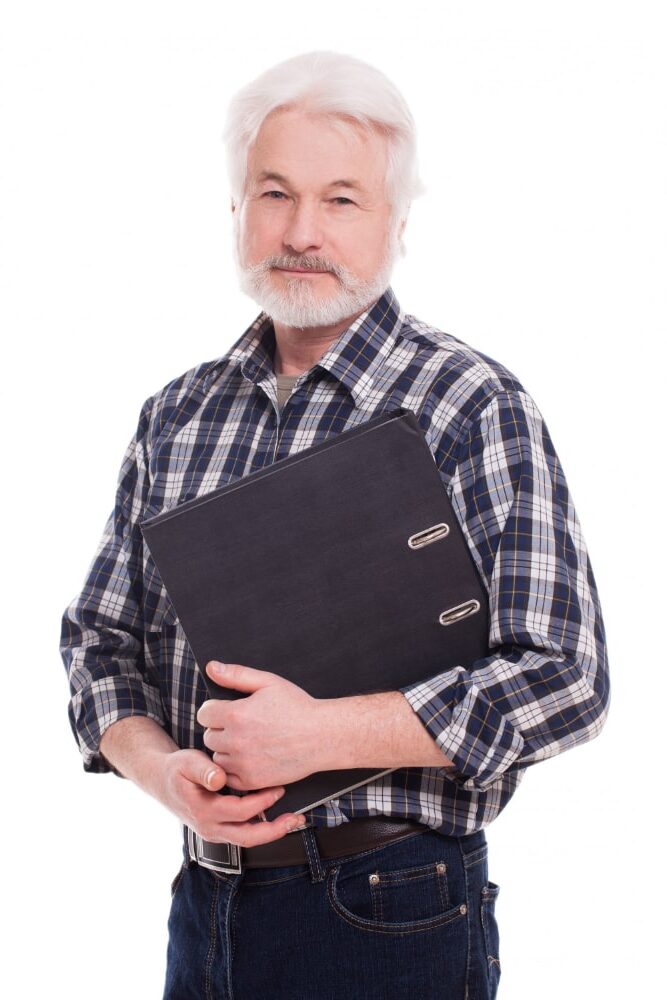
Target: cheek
(366, 255)
(260, 235)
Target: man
(385, 892)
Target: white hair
(344, 89)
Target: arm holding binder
(544, 686)
(363, 731)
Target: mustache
(302, 262)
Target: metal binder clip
(458, 613)
(428, 535)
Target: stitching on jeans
(211, 943)
(317, 873)
(408, 874)
(475, 857)
(376, 902)
(400, 928)
(274, 881)
(390, 879)
(443, 885)
(232, 929)
(468, 914)
(230, 917)
(488, 900)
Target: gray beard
(298, 304)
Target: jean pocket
(400, 901)
(491, 935)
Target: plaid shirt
(543, 689)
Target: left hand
(268, 738)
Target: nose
(303, 232)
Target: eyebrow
(271, 175)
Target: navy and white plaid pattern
(545, 686)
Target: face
(313, 232)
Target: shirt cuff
(97, 706)
(466, 726)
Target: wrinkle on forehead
(362, 140)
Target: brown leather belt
(332, 842)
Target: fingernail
(219, 667)
(210, 776)
(279, 794)
(297, 825)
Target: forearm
(187, 783)
(136, 746)
(376, 730)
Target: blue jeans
(413, 919)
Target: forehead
(312, 150)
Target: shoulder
(176, 403)
(453, 362)
(459, 381)
(459, 387)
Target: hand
(270, 737)
(189, 787)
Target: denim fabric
(414, 919)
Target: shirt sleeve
(102, 629)
(545, 686)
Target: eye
(274, 195)
(343, 201)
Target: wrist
(359, 731)
(137, 747)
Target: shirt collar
(353, 359)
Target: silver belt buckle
(227, 859)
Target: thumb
(214, 777)
(238, 677)
(201, 770)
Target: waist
(332, 842)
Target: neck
(298, 349)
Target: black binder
(342, 568)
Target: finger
(212, 713)
(216, 739)
(240, 808)
(253, 834)
(239, 677)
(235, 783)
(201, 770)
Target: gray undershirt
(285, 384)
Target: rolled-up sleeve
(102, 629)
(545, 686)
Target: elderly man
(384, 891)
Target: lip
(295, 270)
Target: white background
(540, 240)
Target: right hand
(189, 787)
